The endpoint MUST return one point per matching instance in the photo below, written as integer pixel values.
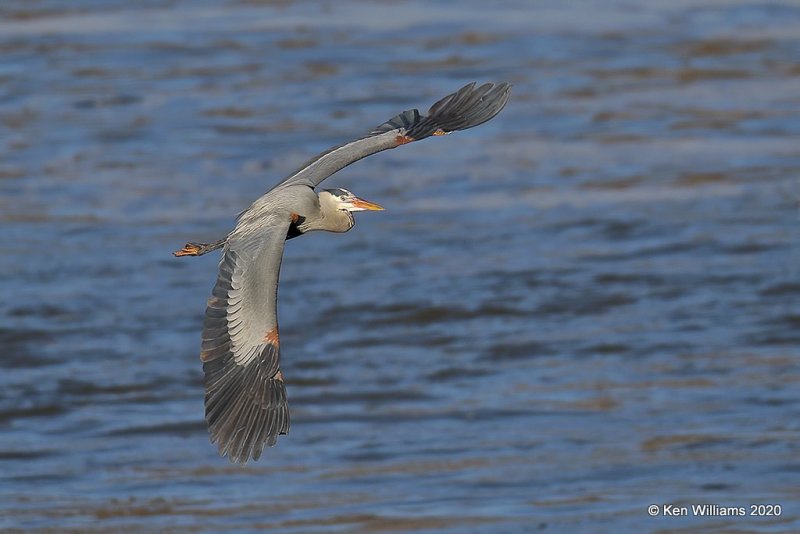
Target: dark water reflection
(584, 307)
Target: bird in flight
(245, 401)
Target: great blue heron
(246, 405)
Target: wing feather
(466, 108)
(246, 405)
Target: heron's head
(338, 205)
(344, 200)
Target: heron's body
(246, 404)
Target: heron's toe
(189, 249)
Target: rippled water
(583, 307)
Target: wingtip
(470, 106)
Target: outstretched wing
(467, 107)
(246, 404)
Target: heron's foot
(197, 249)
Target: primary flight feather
(246, 403)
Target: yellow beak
(366, 204)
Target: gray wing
(246, 404)
(466, 108)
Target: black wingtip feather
(468, 107)
(246, 406)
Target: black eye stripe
(340, 193)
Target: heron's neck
(329, 217)
(338, 221)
